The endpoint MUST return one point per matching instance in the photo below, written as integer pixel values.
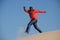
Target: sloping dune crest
(53, 35)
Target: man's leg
(29, 25)
(36, 27)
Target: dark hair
(30, 7)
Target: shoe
(26, 32)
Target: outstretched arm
(25, 9)
(40, 11)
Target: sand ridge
(52, 35)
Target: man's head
(30, 8)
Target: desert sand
(52, 35)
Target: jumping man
(33, 20)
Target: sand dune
(53, 35)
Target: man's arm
(25, 9)
(40, 11)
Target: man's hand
(24, 7)
(44, 11)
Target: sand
(52, 35)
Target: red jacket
(32, 13)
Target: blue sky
(13, 18)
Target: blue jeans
(34, 23)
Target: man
(33, 20)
